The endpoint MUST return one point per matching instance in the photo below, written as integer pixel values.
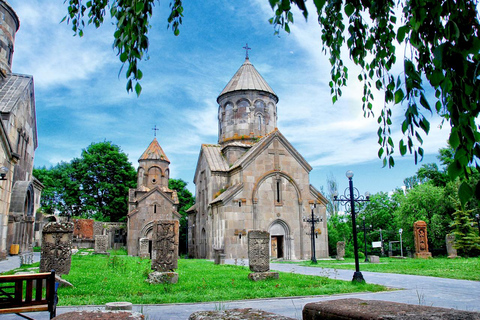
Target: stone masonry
(56, 247)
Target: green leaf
(401, 33)
(349, 9)
(139, 7)
(138, 89)
(465, 193)
(454, 139)
(424, 102)
(403, 148)
(399, 95)
(123, 56)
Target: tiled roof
(228, 193)
(247, 78)
(11, 90)
(213, 154)
(154, 152)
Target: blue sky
(81, 98)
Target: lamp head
(349, 174)
(335, 195)
(3, 173)
(400, 231)
(367, 195)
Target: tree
(466, 241)
(105, 176)
(442, 47)
(186, 200)
(92, 186)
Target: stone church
(151, 200)
(253, 179)
(19, 190)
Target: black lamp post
(312, 220)
(365, 237)
(3, 173)
(350, 198)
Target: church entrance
(280, 243)
(277, 247)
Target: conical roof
(154, 152)
(247, 78)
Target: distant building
(152, 199)
(253, 179)
(19, 191)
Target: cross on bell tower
(246, 49)
(155, 130)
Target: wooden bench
(25, 293)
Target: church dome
(247, 107)
(247, 78)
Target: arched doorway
(280, 243)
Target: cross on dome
(246, 49)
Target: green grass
(101, 279)
(460, 268)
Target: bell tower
(153, 168)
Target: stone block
(101, 244)
(165, 245)
(374, 259)
(259, 276)
(258, 250)
(57, 247)
(346, 309)
(100, 315)
(340, 250)
(125, 306)
(238, 314)
(450, 243)
(162, 277)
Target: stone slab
(375, 310)
(101, 315)
(122, 305)
(374, 259)
(237, 314)
(259, 276)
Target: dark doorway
(277, 246)
(150, 243)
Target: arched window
(259, 122)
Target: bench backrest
(27, 290)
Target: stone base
(100, 315)
(145, 255)
(103, 253)
(124, 306)
(374, 259)
(376, 310)
(453, 257)
(423, 255)
(238, 314)
(259, 276)
(340, 258)
(162, 277)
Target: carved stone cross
(277, 153)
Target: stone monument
(101, 244)
(164, 251)
(340, 250)
(450, 243)
(56, 247)
(259, 256)
(144, 251)
(421, 240)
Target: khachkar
(101, 244)
(421, 240)
(57, 247)
(259, 256)
(164, 251)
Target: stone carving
(26, 258)
(258, 250)
(421, 240)
(162, 277)
(450, 242)
(143, 251)
(101, 244)
(165, 245)
(219, 256)
(374, 259)
(56, 247)
(340, 250)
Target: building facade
(152, 199)
(253, 178)
(19, 191)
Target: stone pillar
(259, 255)
(450, 242)
(164, 252)
(57, 247)
(340, 250)
(165, 245)
(101, 244)
(143, 245)
(421, 240)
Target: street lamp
(312, 220)
(401, 246)
(3, 173)
(350, 198)
(365, 234)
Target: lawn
(99, 279)
(459, 268)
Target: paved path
(430, 291)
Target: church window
(240, 204)
(154, 208)
(278, 191)
(259, 119)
